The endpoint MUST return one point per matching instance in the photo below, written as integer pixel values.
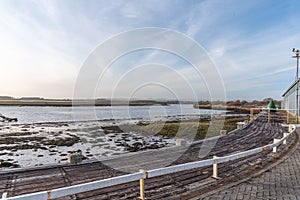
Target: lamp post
(296, 51)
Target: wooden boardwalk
(181, 185)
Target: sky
(45, 46)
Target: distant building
(290, 96)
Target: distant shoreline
(70, 103)
(231, 109)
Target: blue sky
(45, 43)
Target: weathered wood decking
(258, 133)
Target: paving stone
(282, 182)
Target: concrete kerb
(280, 160)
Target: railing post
(251, 114)
(284, 135)
(223, 132)
(215, 169)
(142, 187)
(275, 148)
(269, 115)
(287, 117)
(291, 128)
(4, 196)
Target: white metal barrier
(71, 190)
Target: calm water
(27, 114)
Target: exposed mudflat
(36, 144)
(50, 143)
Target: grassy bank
(186, 129)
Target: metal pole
(296, 51)
(297, 98)
(287, 110)
(297, 103)
(297, 57)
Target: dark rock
(8, 164)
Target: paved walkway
(280, 182)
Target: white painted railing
(140, 176)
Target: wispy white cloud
(44, 43)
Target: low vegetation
(187, 129)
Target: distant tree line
(241, 103)
(22, 98)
